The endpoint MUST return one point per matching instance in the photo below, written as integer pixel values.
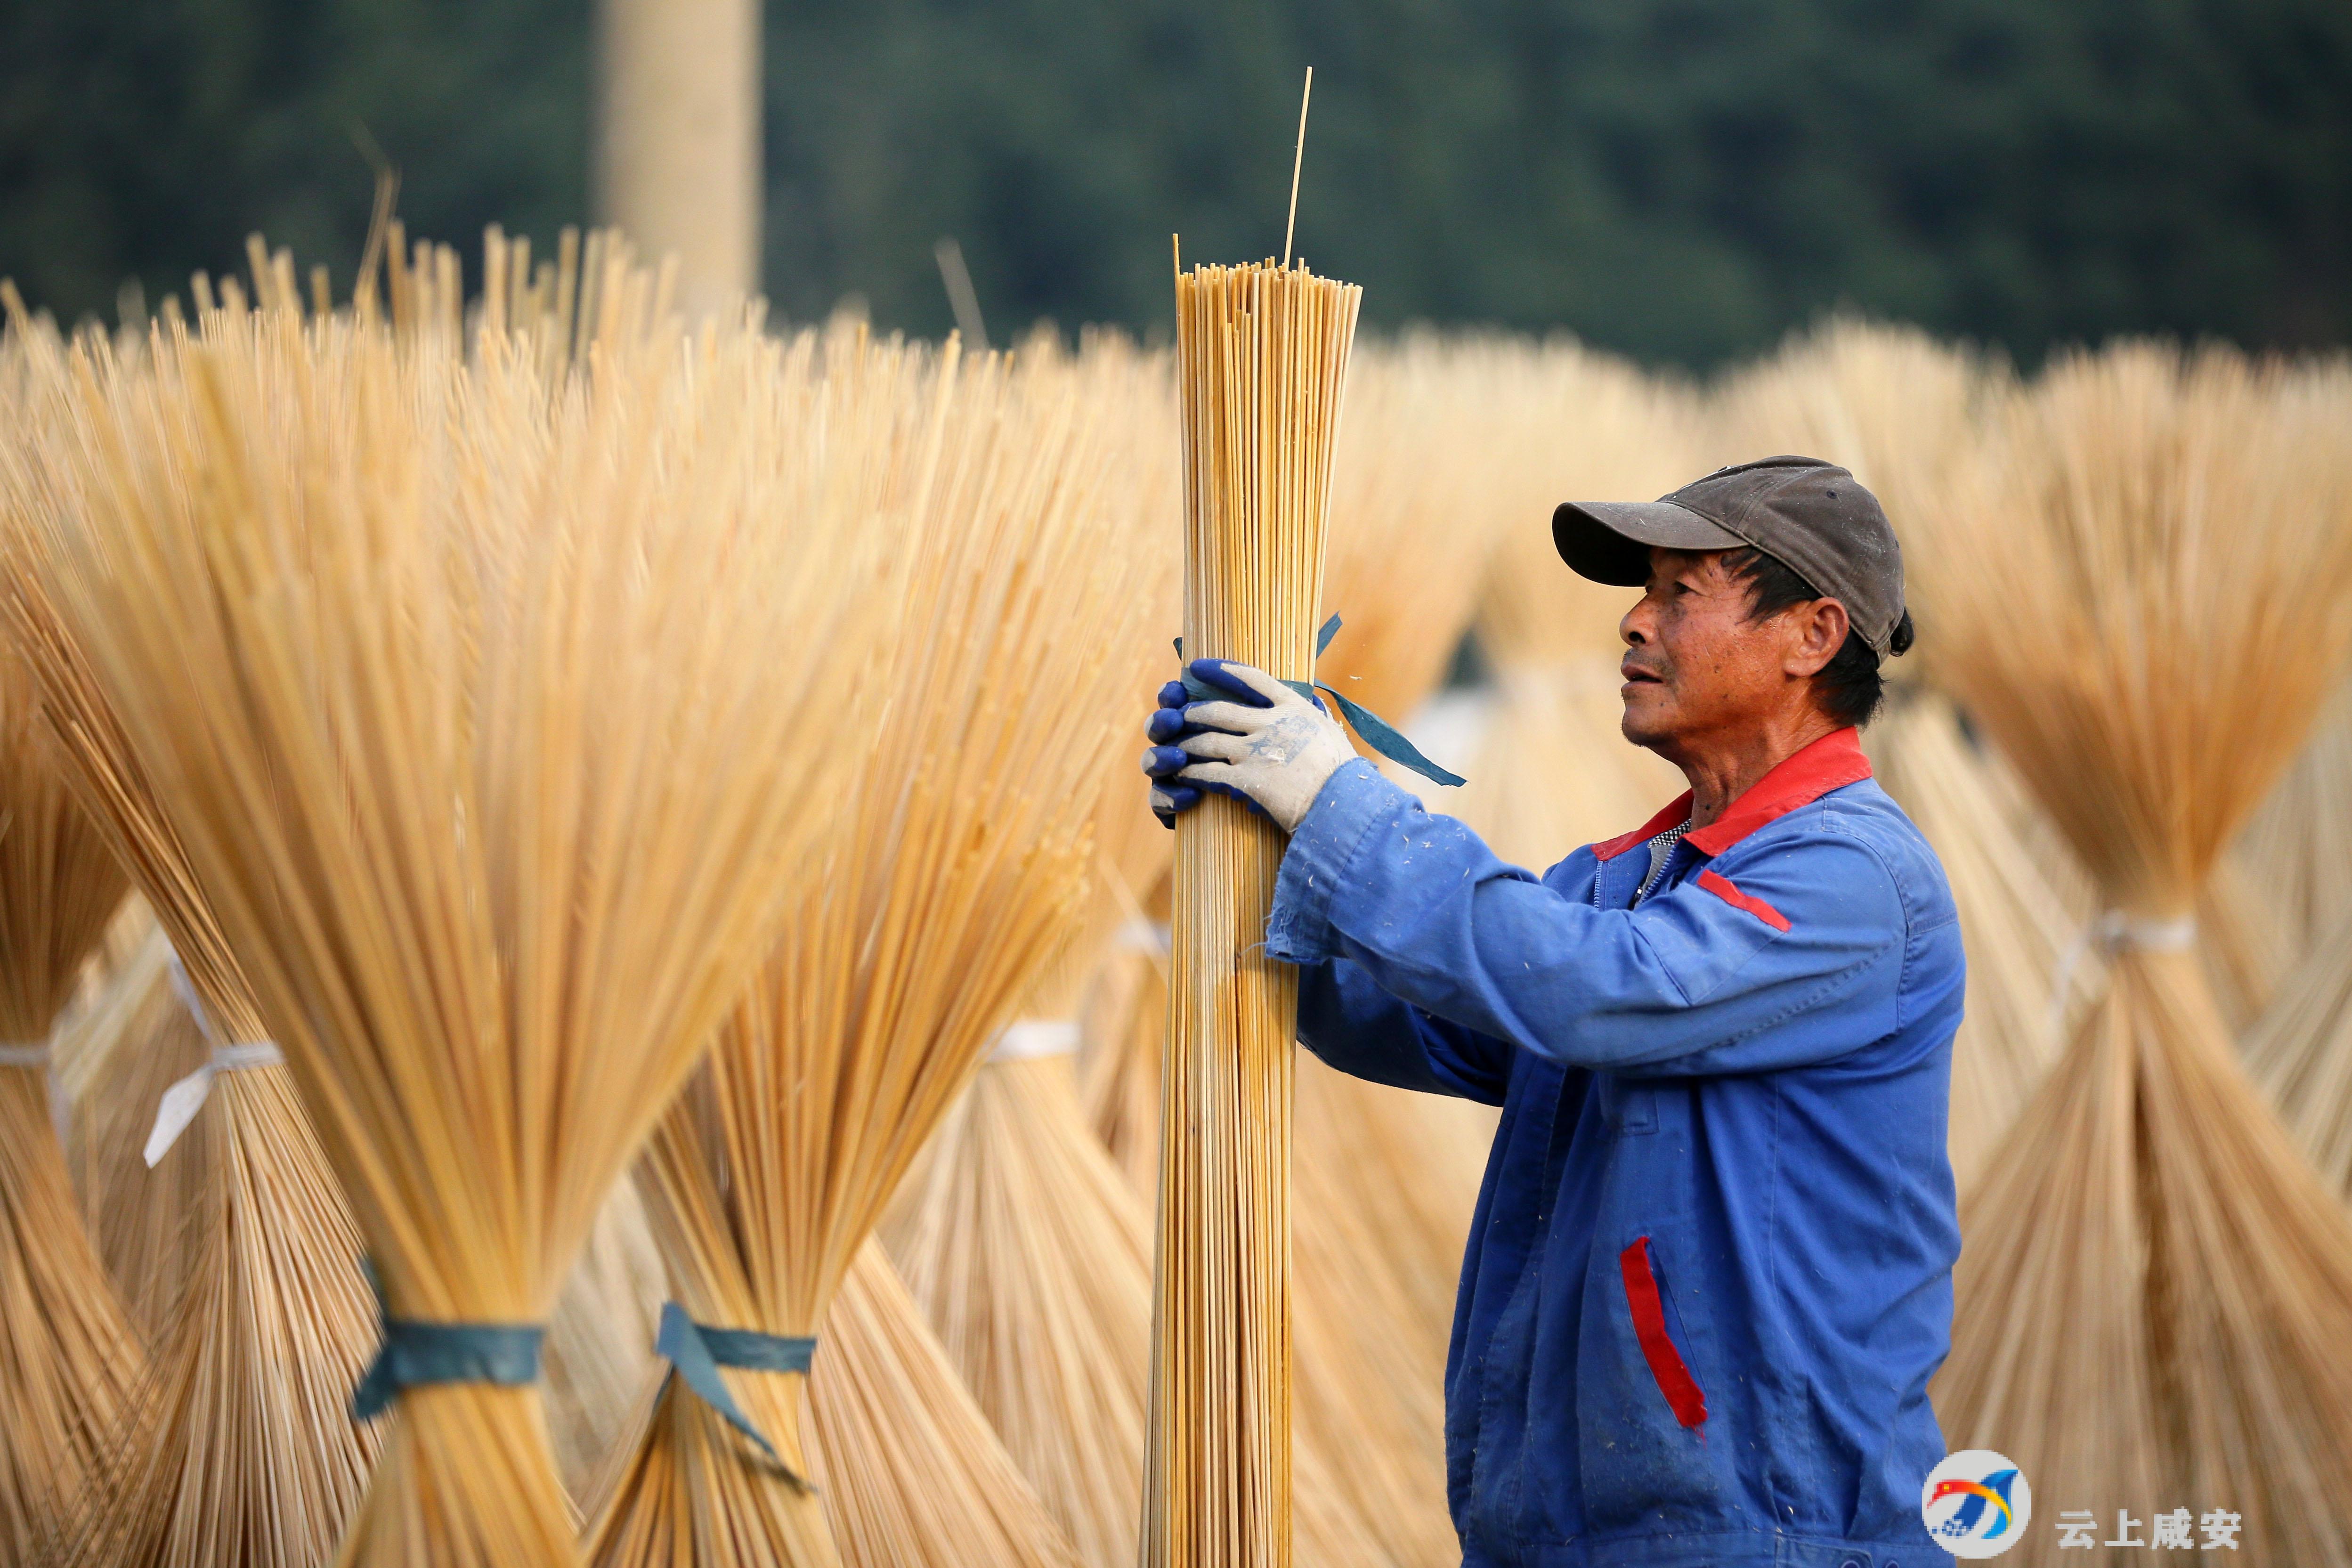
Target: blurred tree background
(1682, 179)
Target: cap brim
(1610, 541)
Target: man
(1710, 1271)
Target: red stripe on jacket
(1721, 887)
(1674, 1381)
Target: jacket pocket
(1646, 1304)
(1653, 1448)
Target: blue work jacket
(1710, 1270)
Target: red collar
(1800, 779)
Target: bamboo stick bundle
(2022, 902)
(469, 685)
(1025, 1246)
(1420, 462)
(1262, 356)
(2140, 601)
(244, 1451)
(260, 1318)
(931, 910)
(909, 1469)
(600, 1362)
(68, 1356)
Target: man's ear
(1821, 628)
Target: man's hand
(1269, 746)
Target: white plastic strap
(1143, 936)
(25, 1056)
(2119, 931)
(2115, 931)
(185, 1099)
(1027, 1038)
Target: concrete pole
(678, 140)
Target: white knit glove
(1280, 755)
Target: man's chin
(1644, 724)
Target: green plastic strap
(412, 1353)
(699, 1350)
(1377, 733)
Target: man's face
(1695, 665)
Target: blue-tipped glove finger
(1169, 725)
(1164, 759)
(1169, 800)
(1267, 746)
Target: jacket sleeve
(1803, 919)
(1355, 1027)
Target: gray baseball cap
(1813, 517)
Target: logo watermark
(1976, 1503)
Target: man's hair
(1849, 687)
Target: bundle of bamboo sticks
(260, 1316)
(1262, 362)
(485, 695)
(952, 881)
(1026, 1247)
(2139, 598)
